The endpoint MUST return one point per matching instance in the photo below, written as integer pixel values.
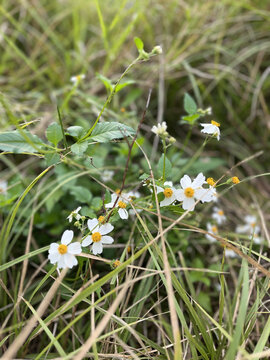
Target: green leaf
(123, 85)
(76, 131)
(54, 133)
(52, 159)
(107, 82)
(189, 104)
(96, 203)
(19, 142)
(168, 166)
(79, 148)
(81, 194)
(191, 118)
(139, 43)
(104, 132)
(107, 197)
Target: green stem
(164, 160)
(109, 99)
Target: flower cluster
(189, 193)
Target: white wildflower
(160, 129)
(107, 175)
(192, 191)
(250, 228)
(170, 193)
(64, 254)
(212, 229)
(77, 79)
(218, 215)
(97, 238)
(211, 129)
(74, 214)
(121, 204)
(230, 253)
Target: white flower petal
(74, 248)
(107, 240)
(199, 181)
(168, 183)
(87, 241)
(70, 260)
(123, 214)
(188, 204)
(159, 189)
(105, 229)
(97, 248)
(67, 237)
(179, 194)
(53, 248)
(61, 263)
(54, 257)
(204, 195)
(185, 181)
(92, 224)
(168, 201)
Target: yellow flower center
(96, 237)
(101, 219)
(221, 212)
(62, 249)
(122, 205)
(123, 109)
(117, 191)
(128, 249)
(210, 181)
(235, 180)
(215, 123)
(253, 225)
(214, 229)
(189, 192)
(116, 263)
(167, 192)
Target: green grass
(174, 295)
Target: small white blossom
(192, 191)
(97, 238)
(170, 193)
(157, 50)
(64, 254)
(250, 228)
(77, 79)
(121, 204)
(212, 229)
(3, 187)
(230, 253)
(74, 214)
(211, 129)
(160, 129)
(218, 215)
(107, 175)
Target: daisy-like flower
(3, 187)
(251, 228)
(212, 229)
(98, 229)
(192, 191)
(107, 175)
(64, 254)
(77, 79)
(170, 193)
(211, 129)
(218, 215)
(160, 129)
(121, 204)
(74, 214)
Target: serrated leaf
(76, 131)
(81, 194)
(189, 104)
(54, 133)
(52, 159)
(104, 132)
(139, 43)
(19, 142)
(168, 166)
(79, 148)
